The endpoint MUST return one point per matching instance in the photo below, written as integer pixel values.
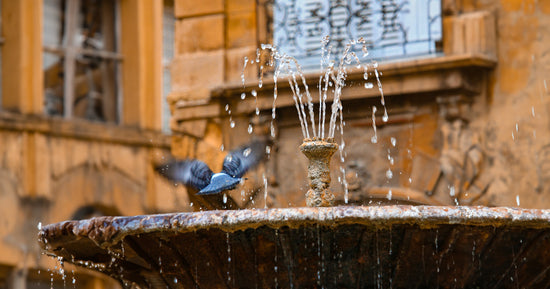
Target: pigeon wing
(239, 161)
(188, 172)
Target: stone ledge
(82, 129)
(442, 75)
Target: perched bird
(198, 175)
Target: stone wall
(52, 170)
(484, 142)
(513, 126)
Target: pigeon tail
(220, 182)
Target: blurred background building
(93, 93)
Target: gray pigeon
(198, 175)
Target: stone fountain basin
(335, 247)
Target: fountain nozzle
(319, 152)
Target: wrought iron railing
(391, 28)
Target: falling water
(265, 190)
(228, 257)
(331, 84)
(335, 73)
(374, 138)
(228, 110)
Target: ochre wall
(469, 143)
(50, 167)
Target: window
(391, 28)
(81, 59)
(168, 23)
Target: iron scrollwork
(391, 28)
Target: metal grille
(391, 28)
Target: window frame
(69, 52)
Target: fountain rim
(108, 231)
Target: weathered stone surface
(235, 63)
(310, 247)
(197, 70)
(527, 6)
(195, 128)
(240, 6)
(204, 33)
(241, 29)
(209, 149)
(473, 32)
(187, 8)
(183, 146)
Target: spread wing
(239, 161)
(188, 172)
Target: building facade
(81, 124)
(468, 116)
(84, 83)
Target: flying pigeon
(198, 175)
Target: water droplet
(247, 152)
(374, 139)
(257, 111)
(232, 124)
(385, 116)
(393, 141)
(254, 93)
(389, 174)
(222, 147)
(175, 280)
(452, 191)
(39, 226)
(517, 200)
(225, 198)
(369, 85)
(243, 95)
(227, 107)
(250, 128)
(365, 51)
(389, 195)
(410, 180)
(267, 149)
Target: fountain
(319, 153)
(320, 246)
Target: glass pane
(53, 84)
(391, 28)
(53, 22)
(96, 25)
(95, 90)
(168, 22)
(76, 35)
